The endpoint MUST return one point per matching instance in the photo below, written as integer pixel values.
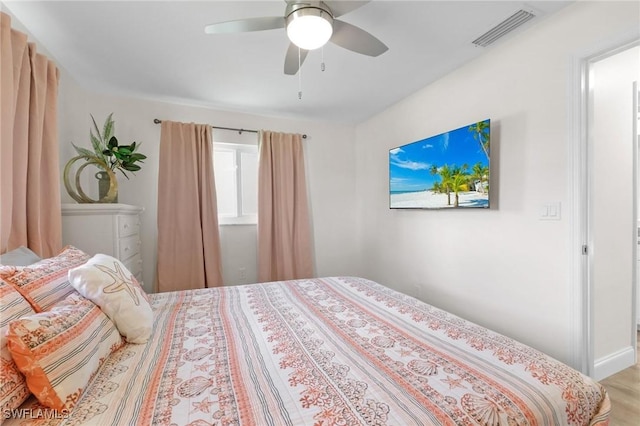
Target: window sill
(242, 220)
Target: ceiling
(158, 50)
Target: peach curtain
(29, 166)
(284, 235)
(188, 238)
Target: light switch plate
(550, 211)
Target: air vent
(503, 28)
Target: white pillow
(106, 282)
(21, 256)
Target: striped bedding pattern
(45, 283)
(327, 351)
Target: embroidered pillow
(106, 282)
(45, 283)
(58, 351)
(7, 270)
(14, 390)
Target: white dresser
(112, 229)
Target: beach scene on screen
(449, 170)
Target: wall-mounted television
(449, 170)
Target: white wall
(613, 225)
(503, 268)
(329, 152)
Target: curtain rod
(157, 121)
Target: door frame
(581, 286)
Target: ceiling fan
(309, 25)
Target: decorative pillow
(45, 283)
(13, 388)
(7, 270)
(106, 282)
(21, 256)
(59, 351)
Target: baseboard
(613, 363)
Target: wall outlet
(242, 273)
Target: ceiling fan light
(309, 28)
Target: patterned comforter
(329, 351)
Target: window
(236, 172)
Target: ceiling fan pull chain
(322, 63)
(299, 76)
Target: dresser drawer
(109, 228)
(128, 247)
(128, 225)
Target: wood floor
(624, 391)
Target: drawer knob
(126, 225)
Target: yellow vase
(108, 186)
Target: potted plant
(107, 154)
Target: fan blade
(291, 59)
(356, 39)
(246, 25)
(339, 8)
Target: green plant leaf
(131, 167)
(137, 157)
(109, 128)
(106, 148)
(95, 142)
(95, 127)
(84, 152)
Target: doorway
(609, 209)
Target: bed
(322, 351)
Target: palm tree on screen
(459, 182)
(446, 174)
(481, 134)
(479, 172)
